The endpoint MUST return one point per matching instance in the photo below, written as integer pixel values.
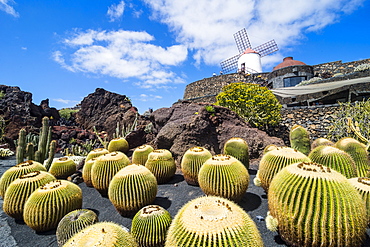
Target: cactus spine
(316, 206)
(21, 146)
(300, 139)
(140, 155)
(238, 148)
(161, 163)
(212, 221)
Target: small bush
(210, 109)
(66, 113)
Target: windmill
(248, 59)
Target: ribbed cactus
(86, 172)
(63, 168)
(238, 148)
(141, 153)
(225, 176)
(16, 171)
(52, 150)
(74, 222)
(358, 152)
(362, 185)
(316, 206)
(191, 162)
(334, 158)
(21, 148)
(149, 226)
(105, 234)
(118, 144)
(40, 154)
(105, 167)
(272, 162)
(321, 141)
(132, 188)
(300, 139)
(269, 148)
(212, 221)
(20, 189)
(96, 153)
(30, 151)
(161, 163)
(47, 205)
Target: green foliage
(67, 113)
(210, 109)
(256, 104)
(2, 94)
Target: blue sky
(150, 50)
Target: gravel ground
(171, 196)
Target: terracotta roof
(249, 50)
(288, 61)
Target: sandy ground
(172, 196)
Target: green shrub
(210, 109)
(2, 94)
(66, 113)
(256, 104)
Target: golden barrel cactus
(118, 144)
(362, 184)
(141, 153)
(239, 149)
(96, 153)
(63, 167)
(212, 221)
(86, 172)
(314, 205)
(321, 141)
(161, 163)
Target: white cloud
(115, 11)
(145, 97)
(122, 54)
(66, 101)
(5, 5)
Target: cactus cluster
(161, 163)
(141, 153)
(238, 148)
(5, 152)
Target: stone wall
(337, 67)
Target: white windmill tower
(248, 60)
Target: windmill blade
(242, 40)
(266, 48)
(230, 64)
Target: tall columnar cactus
(141, 153)
(300, 139)
(20, 189)
(314, 205)
(212, 221)
(30, 151)
(149, 226)
(358, 152)
(40, 154)
(225, 176)
(96, 153)
(47, 205)
(16, 171)
(118, 144)
(86, 172)
(21, 148)
(74, 222)
(105, 167)
(362, 185)
(272, 162)
(161, 163)
(107, 234)
(238, 148)
(132, 188)
(52, 150)
(63, 167)
(321, 141)
(191, 162)
(334, 158)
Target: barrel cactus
(315, 205)
(225, 176)
(107, 234)
(212, 221)
(321, 141)
(73, 222)
(358, 152)
(105, 167)
(86, 172)
(272, 162)
(132, 188)
(96, 153)
(47, 205)
(16, 171)
(63, 167)
(20, 189)
(191, 162)
(238, 148)
(269, 148)
(161, 163)
(362, 184)
(118, 144)
(300, 139)
(141, 153)
(149, 226)
(334, 158)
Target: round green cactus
(225, 176)
(63, 167)
(73, 222)
(86, 172)
(191, 162)
(315, 205)
(300, 139)
(16, 171)
(132, 188)
(362, 184)
(107, 234)
(269, 148)
(20, 189)
(161, 163)
(212, 221)
(321, 141)
(105, 167)
(272, 162)
(47, 205)
(238, 148)
(140, 154)
(334, 158)
(149, 226)
(358, 152)
(118, 144)
(96, 153)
